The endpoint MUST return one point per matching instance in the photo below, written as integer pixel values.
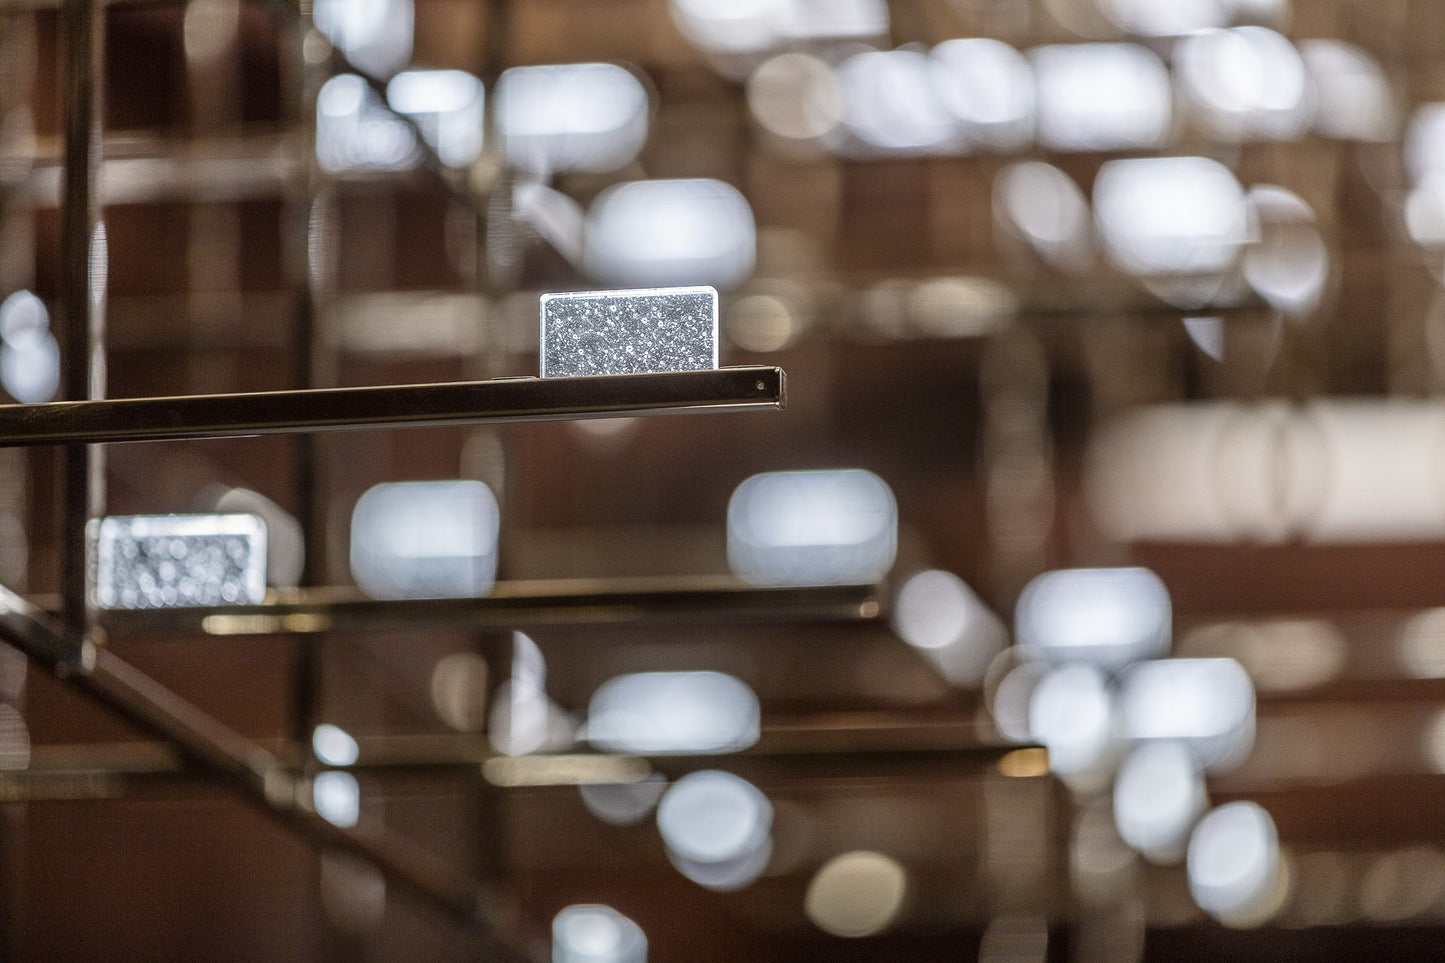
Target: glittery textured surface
(167, 561)
(629, 332)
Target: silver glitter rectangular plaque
(173, 561)
(629, 332)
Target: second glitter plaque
(629, 332)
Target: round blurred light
(856, 894)
(1165, 18)
(1108, 617)
(725, 875)
(1245, 82)
(21, 313)
(670, 232)
(889, 103)
(1170, 215)
(796, 96)
(1288, 264)
(1071, 712)
(938, 614)
(333, 745)
(336, 797)
(728, 26)
(1352, 94)
(960, 307)
(623, 803)
(1158, 794)
(571, 117)
(988, 87)
(30, 365)
(1233, 861)
(376, 36)
(1008, 701)
(1101, 96)
(459, 691)
(1425, 211)
(448, 106)
(596, 934)
(830, 527)
(435, 539)
(714, 817)
(1425, 142)
(662, 712)
(1206, 704)
(1044, 206)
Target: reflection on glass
(434, 539)
(1108, 617)
(1244, 82)
(856, 894)
(570, 117)
(1234, 863)
(661, 712)
(336, 796)
(826, 527)
(1206, 704)
(1158, 794)
(717, 827)
(668, 233)
(588, 933)
(988, 87)
(448, 107)
(1102, 96)
(355, 131)
(375, 35)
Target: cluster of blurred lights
(975, 94)
(448, 107)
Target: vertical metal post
(83, 270)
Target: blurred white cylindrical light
(1158, 794)
(717, 827)
(662, 712)
(1071, 712)
(829, 527)
(1425, 142)
(22, 312)
(355, 132)
(796, 96)
(375, 35)
(1043, 205)
(1106, 617)
(1170, 215)
(333, 745)
(667, 233)
(30, 366)
(988, 87)
(592, 933)
(1165, 18)
(1206, 705)
(449, 107)
(1352, 95)
(835, 20)
(1101, 96)
(729, 26)
(856, 894)
(890, 105)
(571, 117)
(940, 616)
(1244, 82)
(1233, 861)
(336, 797)
(1288, 263)
(433, 539)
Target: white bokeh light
(375, 35)
(856, 894)
(1102, 96)
(1288, 263)
(1425, 142)
(1071, 712)
(1244, 82)
(666, 233)
(448, 106)
(336, 797)
(571, 117)
(890, 106)
(988, 87)
(434, 539)
(1165, 18)
(812, 528)
(717, 827)
(592, 933)
(356, 132)
(1108, 617)
(1163, 216)
(30, 365)
(1352, 94)
(1158, 794)
(1234, 861)
(1204, 704)
(333, 745)
(669, 712)
(1043, 205)
(940, 616)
